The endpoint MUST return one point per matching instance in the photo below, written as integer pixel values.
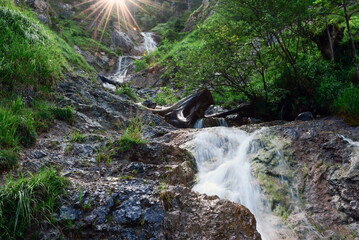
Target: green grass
(127, 90)
(31, 55)
(166, 97)
(77, 137)
(77, 33)
(133, 135)
(27, 200)
(20, 124)
(347, 104)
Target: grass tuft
(23, 202)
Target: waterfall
(148, 42)
(225, 171)
(123, 64)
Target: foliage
(77, 137)
(19, 125)
(140, 64)
(31, 55)
(23, 202)
(265, 52)
(166, 96)
(127, 90)
(348, 104)
(64, 114)
(27, 53)
(132, 135)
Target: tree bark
(187, 111)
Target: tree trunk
(187, 111)
(354, 52)
(330, 39)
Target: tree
(278, 22)
(347, 17)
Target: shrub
(26, 200)
(140, 65)
(8, 158)
(127, 90)
(64, 114)
(166, 96)
(347, 104)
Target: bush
(140, 65)
(25, 201)
(127, 90)
(347, 104)
(64, 114)
(166, 97)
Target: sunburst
(102, 10)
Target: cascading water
(225, 170)
(126, 62)
(123, 63)
(149, 43)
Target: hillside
(193, 119)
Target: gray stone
(68, 213)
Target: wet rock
(149, 103)
(39, 154)
(189, 215)
(147, 93)
(305, 116)
(67, 213)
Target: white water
(351, 142)
(149, 43)
(125, 62)
(225, 171)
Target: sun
(102, 10)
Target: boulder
(189, 215)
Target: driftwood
(244, 110)
(187, 111)
(108, 80)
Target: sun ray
(101, 11)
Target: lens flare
(102, 10)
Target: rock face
(184, 211)
(309, 174)
(142, 192)
(203, 12)
(41, 7)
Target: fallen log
(187, 111)
(108, 80)
(244, 110)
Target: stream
(225, 170)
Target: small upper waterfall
(125, 63)
(149, 43)
(225, 171)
